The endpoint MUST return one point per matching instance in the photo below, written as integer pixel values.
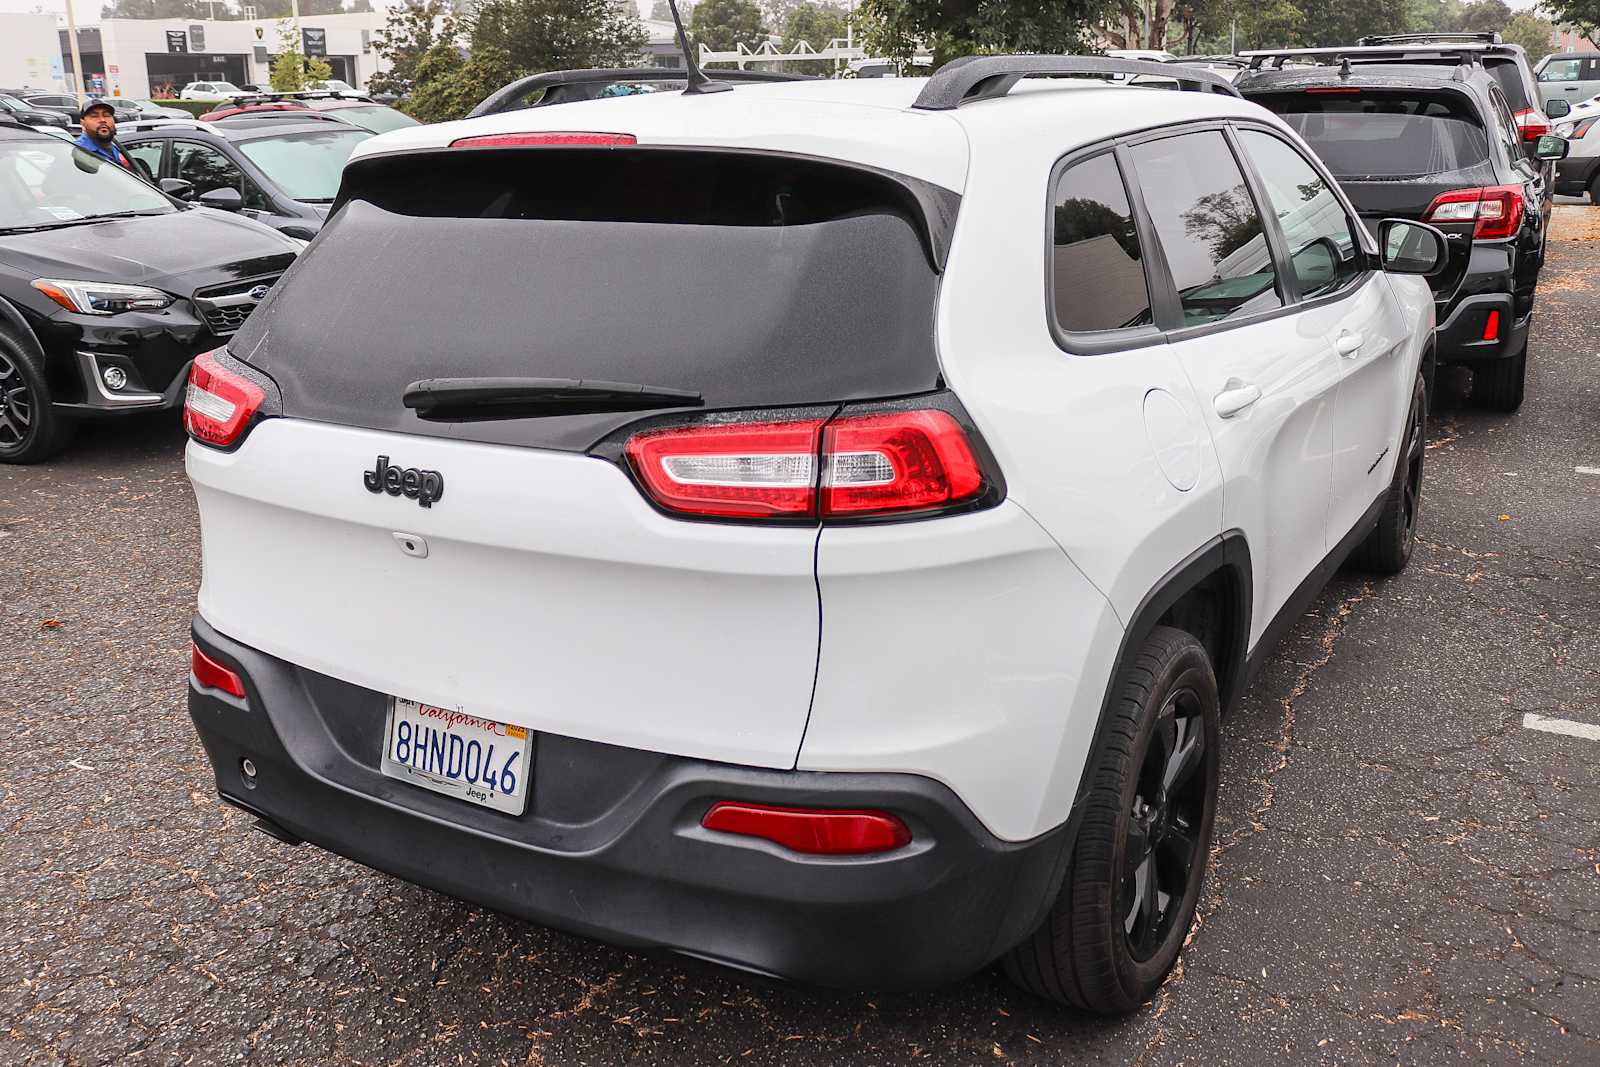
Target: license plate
(479, 760)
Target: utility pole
(77, 60)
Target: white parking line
(1587, 470)
(1561, 726)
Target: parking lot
(1408, 845)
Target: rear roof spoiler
(1462, 53)
(970, 78)
(509, 98)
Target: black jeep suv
(1437, 143)
(108, 288)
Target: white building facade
(143, 58)
(30, 56)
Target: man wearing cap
(99, 132)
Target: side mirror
(178, 187)
(1549, 146)
(224, 199)
(1557, 109)
(1411, 247)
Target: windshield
(378, 119)
(305, 165)
(53, 183)
(11, 103)
(1385, 134)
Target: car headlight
(102, 298)
(1565, 129)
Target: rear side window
(1508, 75)
(1385, 134)
(1097, 272)
(1322, 248)
(1208, 225)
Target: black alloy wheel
(17, 405)
(1162, 855)
(1387, 549)
(1416, 444)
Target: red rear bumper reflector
(816, 831)
(212, 675)
(1491, 326)
(523, 140)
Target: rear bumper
(1575, 173)
(1461, 335)
(611, 844)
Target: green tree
(412, 31)
(290, 69)
(1328, 24)
(1484, 16)
(952, 28)
(509, 39)
(723, 25)
(153, 9)
(1533, 33)
(815, 24)
(1581, 15)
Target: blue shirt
(110, 152)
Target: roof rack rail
(1468, 54)
(510, 98)
(291, 97)
(984, 77)
(1430, 38)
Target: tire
(30, 429)
(1387, 548)
(1498, 385)
(1594, 190)
(1150, 799)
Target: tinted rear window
(756, 280)
(1385, 134)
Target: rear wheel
(1594, 190)
(1387, 548)
(30, 429)
(1137, 863)
(1498, 385)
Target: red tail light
(522, 140)
(1495, 210)
(212, 675)
(901, 461)
(1491, 325)
(1532, 123)
(854, 466)
(819, 832)
(219, 403)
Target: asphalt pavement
(1407, 863)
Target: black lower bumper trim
(611, 844)
(1460, 337)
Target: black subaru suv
(1437, 143)
(108, 288)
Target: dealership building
(142, 58)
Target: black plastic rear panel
(755, 280)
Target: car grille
(225, 307)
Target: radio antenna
(697, 80)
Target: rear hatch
(1394, 151)
(553, 595)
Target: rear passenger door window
(1209, 227)
(208, 169)
(1324, 255)
(149, 153)
(1097, 265)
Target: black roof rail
(984, 77)
(1467, 54)
(509, 98)
(1432, 38)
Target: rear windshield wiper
(518, 398)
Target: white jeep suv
(815, 527)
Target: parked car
(211, 91)
(1507, 63)
(1435, 143)
(280, 172)
(108, 288)
(149, 109)
(66, 105)
(355, 110)
(1579, 173)
(1572, 76)
(851, 607)
(333, 85)
(32, 116)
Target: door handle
(1349, 344)
(1235, 397)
